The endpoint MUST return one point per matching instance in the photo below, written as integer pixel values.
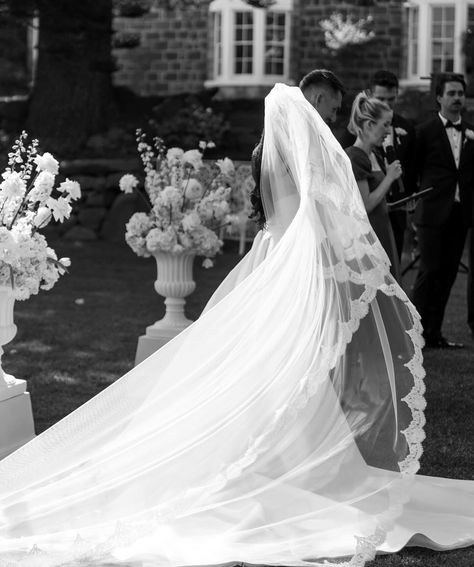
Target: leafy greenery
(185, 121)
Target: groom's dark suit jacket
(436, 168)
(404, 146)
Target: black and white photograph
(236, 283)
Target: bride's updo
(365, 109)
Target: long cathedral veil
(282, 427)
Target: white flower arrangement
(188, 203)
(28, 204)
(341, 31)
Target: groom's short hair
(322, 78)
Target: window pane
(275, 43)
(442, 38)
(243, 43)
(437, 14)
(450, 13)
(449, 50)
(449, 30)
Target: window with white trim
(251, 46)
(435, 35)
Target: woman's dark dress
(378, 217)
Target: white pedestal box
(162, 331)
(16, 417)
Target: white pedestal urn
(16, 416)
(174, 282)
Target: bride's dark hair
(257, 214)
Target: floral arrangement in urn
(188, 201)
(29, 200)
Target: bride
(283, 427)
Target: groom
(445, 161)
(324, 91)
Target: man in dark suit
(470, 285)
(445, 161)
(399, 145)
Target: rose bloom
(42, 218)
(194, 158)
(191, 221)
(42, 187)
(170, 196)
(184, 240)
(13, 185)
(139, 224)
(193, 190)
(46, 162)
(157, 240)
(226, 166)
(174, 154)
(71, 188)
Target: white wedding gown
(283, 427)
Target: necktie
(457, 126)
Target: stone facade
(172, 55)
(173, 48)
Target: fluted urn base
(174, 282)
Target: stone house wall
(172, 55)
(175, 51)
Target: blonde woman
(370, 121)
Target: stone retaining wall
(103, 210)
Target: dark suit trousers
(398, 220)
(470, 282)
(440, 253)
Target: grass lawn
(78, 338)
